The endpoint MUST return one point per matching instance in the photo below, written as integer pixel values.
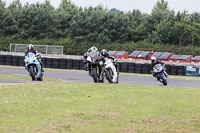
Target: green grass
(170, 76)
(19, 77)
(98, 108)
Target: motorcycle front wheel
(164, 81)
(109, 76)
(94, 75)
(32, 72)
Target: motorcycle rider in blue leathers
(30, 48)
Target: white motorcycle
(110, 71)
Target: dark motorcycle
(95, 69)
(160, 73)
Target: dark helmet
(153, 59)
(104, 52)
(30, 47)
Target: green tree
(2, 16)
(64, 17)
(182, 30)
(138, 32)
(12, 17)
(160, 12)
(164, 33)
(37, 21)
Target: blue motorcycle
(160, 73)
(33, 66)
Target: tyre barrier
(66, 63)
(2, 59)
(131, 67)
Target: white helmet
(153, 59)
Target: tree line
(78, 28)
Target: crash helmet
(93, 49)
(30, 47)
(153, 59)
(104, 52)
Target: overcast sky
(128, 5)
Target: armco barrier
(124, 66)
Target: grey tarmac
(80, 76)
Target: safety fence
(69, 63)
(44, 49)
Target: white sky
(128, 5)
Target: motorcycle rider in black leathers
(105, 54)
(86, 66)
(30, 48)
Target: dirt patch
(55, 129)
(159, 125)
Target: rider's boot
(89, 73)
(166, 73)
(42, 70)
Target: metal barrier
(44, 49)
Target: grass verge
(170, 76)
(19, 77)
(89, 107)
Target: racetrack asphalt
(80, 76)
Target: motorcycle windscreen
(94, 56)
(108, 63)
(30, 55)
(158, 68)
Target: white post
(15, 47)
(46, 48)
(10, 46)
